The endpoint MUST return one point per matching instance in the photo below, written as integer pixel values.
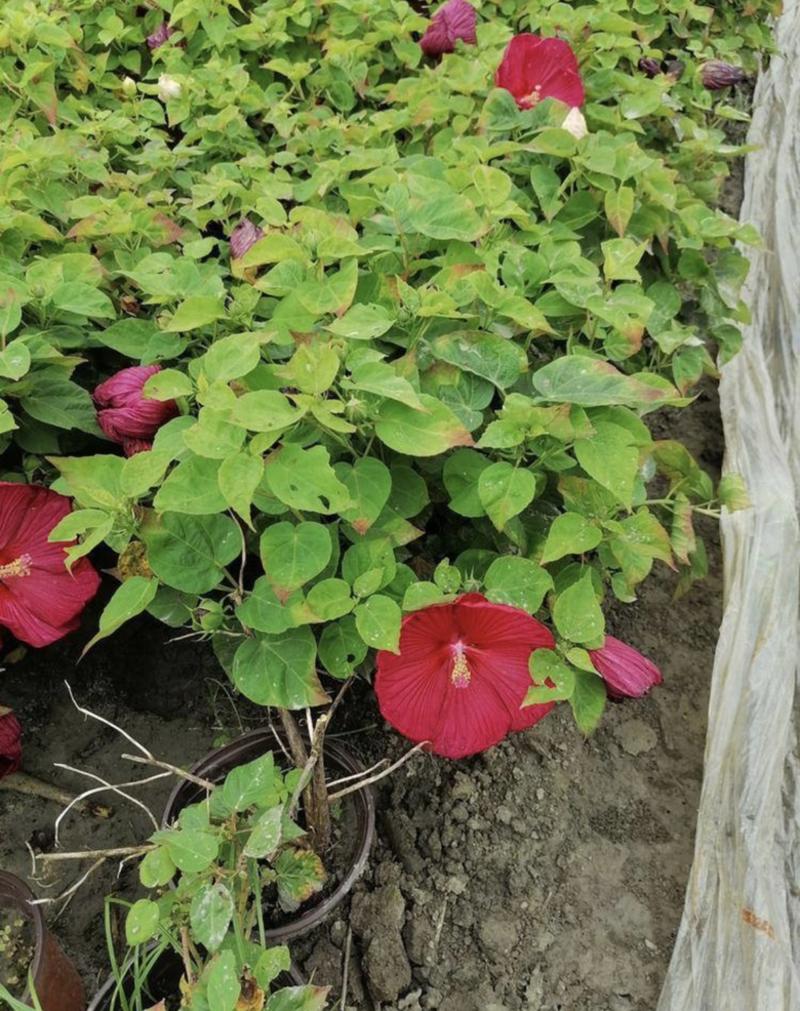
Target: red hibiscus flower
(534, 68)
(243, 237)
(626, 672)
(461, 675)
(10, 742)
(455, 20)
(40, 599)
(125, 414)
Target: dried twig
(187, 962)
(68, 894)
(174, 769)
(117, 851)
(108, 723)
(118, 788)
(21, 782)
(359, 775)
(346, 970)
(381, 775)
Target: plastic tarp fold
(738, 946)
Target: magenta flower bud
(244, 235)
(455, 20)
(716, 75)
(124, 413)
(160, 35)
(626, 672)
(10, 742)
(650, 66)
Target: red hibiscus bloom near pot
(534, 68)
(10, 742)
(461, 675)
(40, 600)
(125, 414)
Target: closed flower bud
(244, 235)
(168, 88)
(455, 20)
(626, 672)
(716, 75)
(575, 124)
(125, 414)
(10, 742)
(159, 36)
(128, 87)
(650, 66)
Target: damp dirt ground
(545, 875)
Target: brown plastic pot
(56, 982)
(164, 982)
(339, 762)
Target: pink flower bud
(160, 35)
(244, 235)
(650, 66)
(10, 742)
(625, 671)
(455, 20)
(716, 75)
(130, 447)
(124, 413)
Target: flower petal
(626, 672)
(534, 68)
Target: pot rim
(14, 892)
(221, 760)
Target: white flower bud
(575, 124)
(168, 88)
(128, 87)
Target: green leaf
(83, 299)
(266, 835)
(15, 360)
(95, 482)
(238, 477)
(194, 312)
(589, 382)
(300, 875)
(619, 208)
(168, 384)
(382, 379)
(362, 322)
(341, 648)
(231, 357)
(292, 554)
(499, 361)
(157, 868)
(732, 493)
(192, 487)
(620, 259)
(210, 914)
(278, 670)
(270, 965)
(461, 473)
(518, 582)
(223, 983)
(129, 599)
(504, 491)
(420, 433)
(369, 484)
(189, 552)
(588, 700)
(576, 612)
(441, 213)
(304, 479)
(265, 411)
(570, 534)
(554, 679)
(55, 400)
(263, 611)
(191, 850)
(378, 622)
(327, 600)
(610, 459)
(254, 784)
(298, 998)
(141, 923)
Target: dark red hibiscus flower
(40, 599)
(534, 68)
(461, 675)
(626, 672)
(10, 742)
(455, 20)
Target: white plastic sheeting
(738, 947)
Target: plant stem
(182, 773)
(381, 775)
(21, 782)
